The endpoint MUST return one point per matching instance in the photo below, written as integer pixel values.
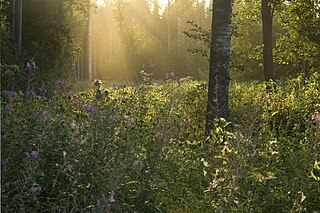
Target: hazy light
(100, 3)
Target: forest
(188, 106)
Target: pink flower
(315, 117)
(170, 74)
(187, 120)
(60, 82)
(46, 114)
(32, 154)
(35, 189)
(159, 134)
(111, 199)
(88, 108)
(31, 65)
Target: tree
(267, 39)
(219, 77)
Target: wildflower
(315, 117)
(46, 114)
(8, 108)
(60, 82)
(31, 65)
(187, 120)
(31, 93)
(88, 108)
(127, 122)
(42, 98)
(4, 161)
(159, 134)
(170, 74)
(34, 154)
(111, 199)
(35, 189)
(10, 94)
(262, 96)
(249, 193)
(77, 101)
(215, 100)
(100, 206)
(71, 94)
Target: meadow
(141, 147)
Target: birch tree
(219, 62)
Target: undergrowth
(142, 148)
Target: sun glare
(100, 3)
(164, 3)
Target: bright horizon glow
(164, 3)
(100, 3)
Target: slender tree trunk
(267, 40)
(169, 28)
(89, 46)
(18, 27)
(219, 62)
(12, 18)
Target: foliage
(300, 21)
(141, 148)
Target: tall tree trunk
(219, 62)
(169, 27)
(267, 40)
(89, 46)
(18, 27)
(12, 18)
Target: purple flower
(8, 108)
(4, 161)
(315, 117)
(249, 193)
(77, 101)
(35, 190)
(88, 108)
(42, 98)
(262, 96)
(10, 94)
(60, 82)
(46, 114)
(111, 199)
(31, 93)
(100, 206)
(31, 65)
(170, 74)
(32, 154)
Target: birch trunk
(219, 76)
